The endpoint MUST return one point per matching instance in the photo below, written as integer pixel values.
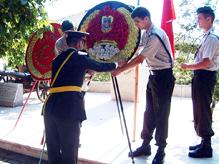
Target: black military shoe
(143, 150)
(159, 157)
(201, 152)
(194, 147)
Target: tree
(19, 19)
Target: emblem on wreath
(106, 23)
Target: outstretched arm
(97, 66)
(137, 60)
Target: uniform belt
(157, 72)
(65, 89)
(199, 72)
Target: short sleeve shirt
(156, 56)
(209, 48)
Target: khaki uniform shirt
(156, 55)
(209, 48)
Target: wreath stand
(25, 103)
(121, 113)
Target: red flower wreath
(40, 53)
(118, 33)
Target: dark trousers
(158, 100)
(62, 140)
(203, 84)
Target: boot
(202, 151)
(142, 150)
(159, 157)
(196, 146)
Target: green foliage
(19, 19)
(216, 93)
(182, 76)
(102, 76)
(186, 19)
(185, 54)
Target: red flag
(168, 16)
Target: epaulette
(82, 53)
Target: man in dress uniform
(203, 82)
(64, 109)
(61, 44)
(158, 55)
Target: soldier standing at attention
(203, 82)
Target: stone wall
(11, 94)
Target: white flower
(104, 52)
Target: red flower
(119, 28)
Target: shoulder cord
(57, 73)
(200, 45)
(171, 60)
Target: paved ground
(101, 136)
(8, 157)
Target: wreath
(40, 52)
(113, 34)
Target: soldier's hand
(91, 72)
(116, 72)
